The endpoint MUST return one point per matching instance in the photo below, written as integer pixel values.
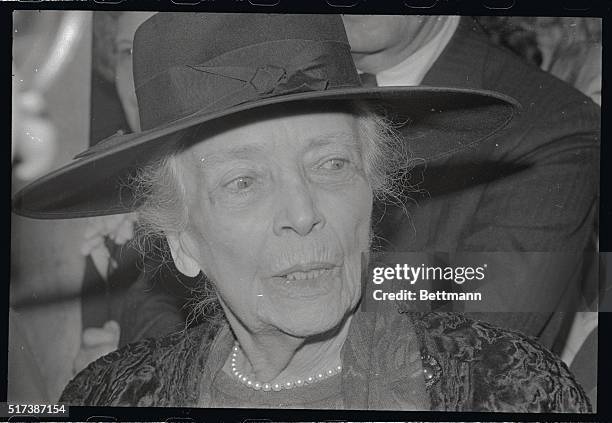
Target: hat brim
(443, 121)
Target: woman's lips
(303, 275)
(303, 271)
(305, 281)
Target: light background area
(46, 265)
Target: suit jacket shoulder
(552, 109)
(471, 60)
(486, 368)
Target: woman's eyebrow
(344, 138)
(249, 151)
(241, 152)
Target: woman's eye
(240, 184)
(334, 164)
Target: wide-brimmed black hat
(194, 68)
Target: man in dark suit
(533, 188)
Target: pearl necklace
(246, 381)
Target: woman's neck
(275, 357)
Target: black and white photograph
(305, 211)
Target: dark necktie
(368, 80)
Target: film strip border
(479, 7)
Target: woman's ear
(183, 260)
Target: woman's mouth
(300, 276)
(305, 271)
(304, 281)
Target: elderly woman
(259, 162)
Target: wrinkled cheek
(360, 218)
(354, 283)
(232, 256)
(359, 246)
(237, 288)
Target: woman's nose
(297, 210)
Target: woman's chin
(308, 322)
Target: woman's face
(279, 216)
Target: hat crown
(170, 39)
(192, 62)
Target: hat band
(245, 75)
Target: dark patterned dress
(391, 361)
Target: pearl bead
(299, 382)
(310, 379)
(288, 385)
(276, 387)
(266, 387)
(257, 386)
